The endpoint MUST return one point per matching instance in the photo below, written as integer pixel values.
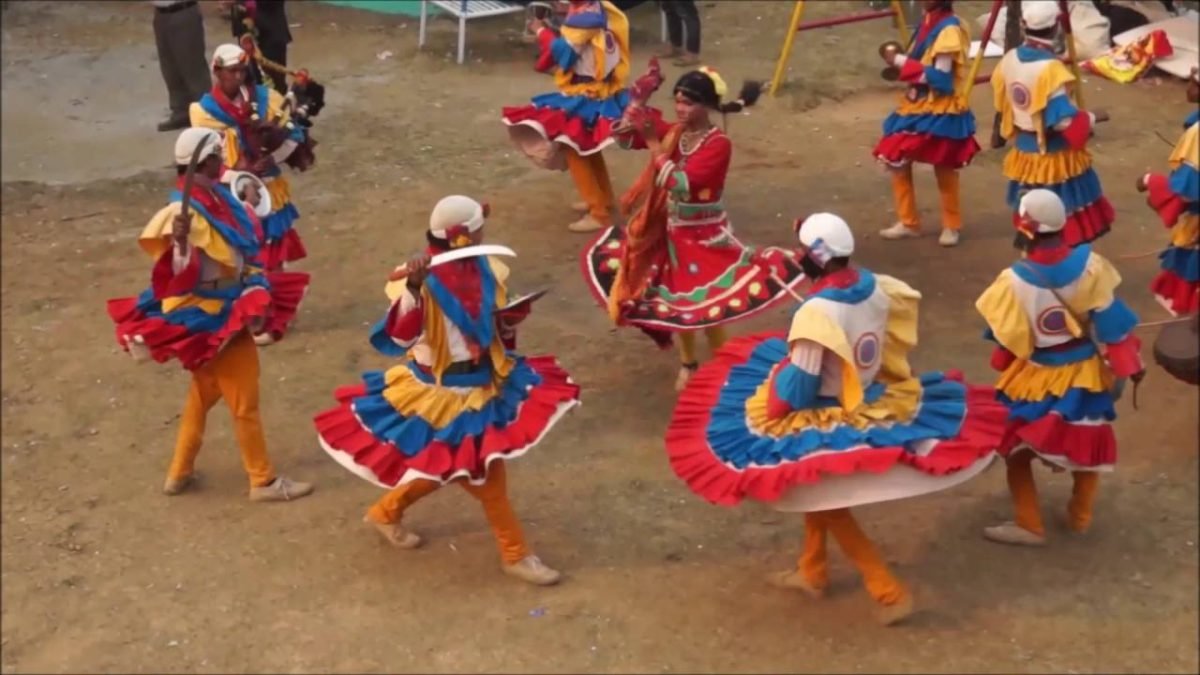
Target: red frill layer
(927, 149)
(340, 429)
(1053, 437)
(287, 291)
(1175, 293)
(166, 340)
(285, 250)
(556, 126)
(693, 459)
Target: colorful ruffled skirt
(287, 292)
(553, 121)
(189, 333)
(1061, 412)
(707, 278)
(280, 242)
(1069, 174)
(1177, 285)
(906, 439)
(939, 132)
(400, 426)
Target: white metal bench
(465, 10)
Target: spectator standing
(273, 36)
(682, 16)
(179, 38)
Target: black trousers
(277, 52)
(682, 16)
(179, 37)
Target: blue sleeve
(297, 134)
(563, 54)
(1058, 108)
(1185, 182)
(941, 82)
(796, 387)
(1113, 323)
(382, 342)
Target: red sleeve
(706, 168)
(1125, 357)
(912, 71)
(405, 327)
(1079, 131)
(1163, 200)
(166, 283)
(545, 59)
(1002, 359)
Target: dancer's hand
(417, 268)
(180, 228)
(1142, 185)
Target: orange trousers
(1027, 512)
(883, 587)
(590, 174)
(493, 495)
(905, 197)
(231, 375)
(687, 343)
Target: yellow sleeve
(811, 323)
(500, 271)
(199, 118)
(953, 40)
(901, 336)
(1054, 76)
(1097, 287)
(156, 237)
(1003, 313)
(1187, 150)
(275, 107)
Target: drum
(1177, 350)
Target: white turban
(826, 236)
(195, 137)
(1039, 14)
(229, 55)
(1044, 208)
(453, 211)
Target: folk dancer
(830, 416)
(1176, 199)
(934, 124)
(461, 403)
(676, 267)
(243, 114)
(1058, 382)
(1031, 89)
(205, 300)
(569, 128)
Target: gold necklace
(689, 141)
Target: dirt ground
(103, 573)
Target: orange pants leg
(814, 562)
(947, 182)
(1083, 496)
(1027, 513)
(493, 495)
(235, 370)
(882, 586)
(591, 180)
(905, 197)
(390, 507)
(203, 394)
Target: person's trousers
(905, 197)
(687, 343)
(682, 16)
(1027, 512)
(492, 495)
(231, 375)
(590, 174)
(882, 586)
(179, 37)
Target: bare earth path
(103, 573)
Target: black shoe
(173, 123)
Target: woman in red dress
(676, 267)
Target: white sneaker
(280, 490)
(899, 231)
(532, 570)
(396, 535)
(264, 339)
(586, 224)
(948, 238)
(1011, 533)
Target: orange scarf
(645, 233)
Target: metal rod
(1064, 15)
(788, 43)
(841, 20)
(984, 39)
